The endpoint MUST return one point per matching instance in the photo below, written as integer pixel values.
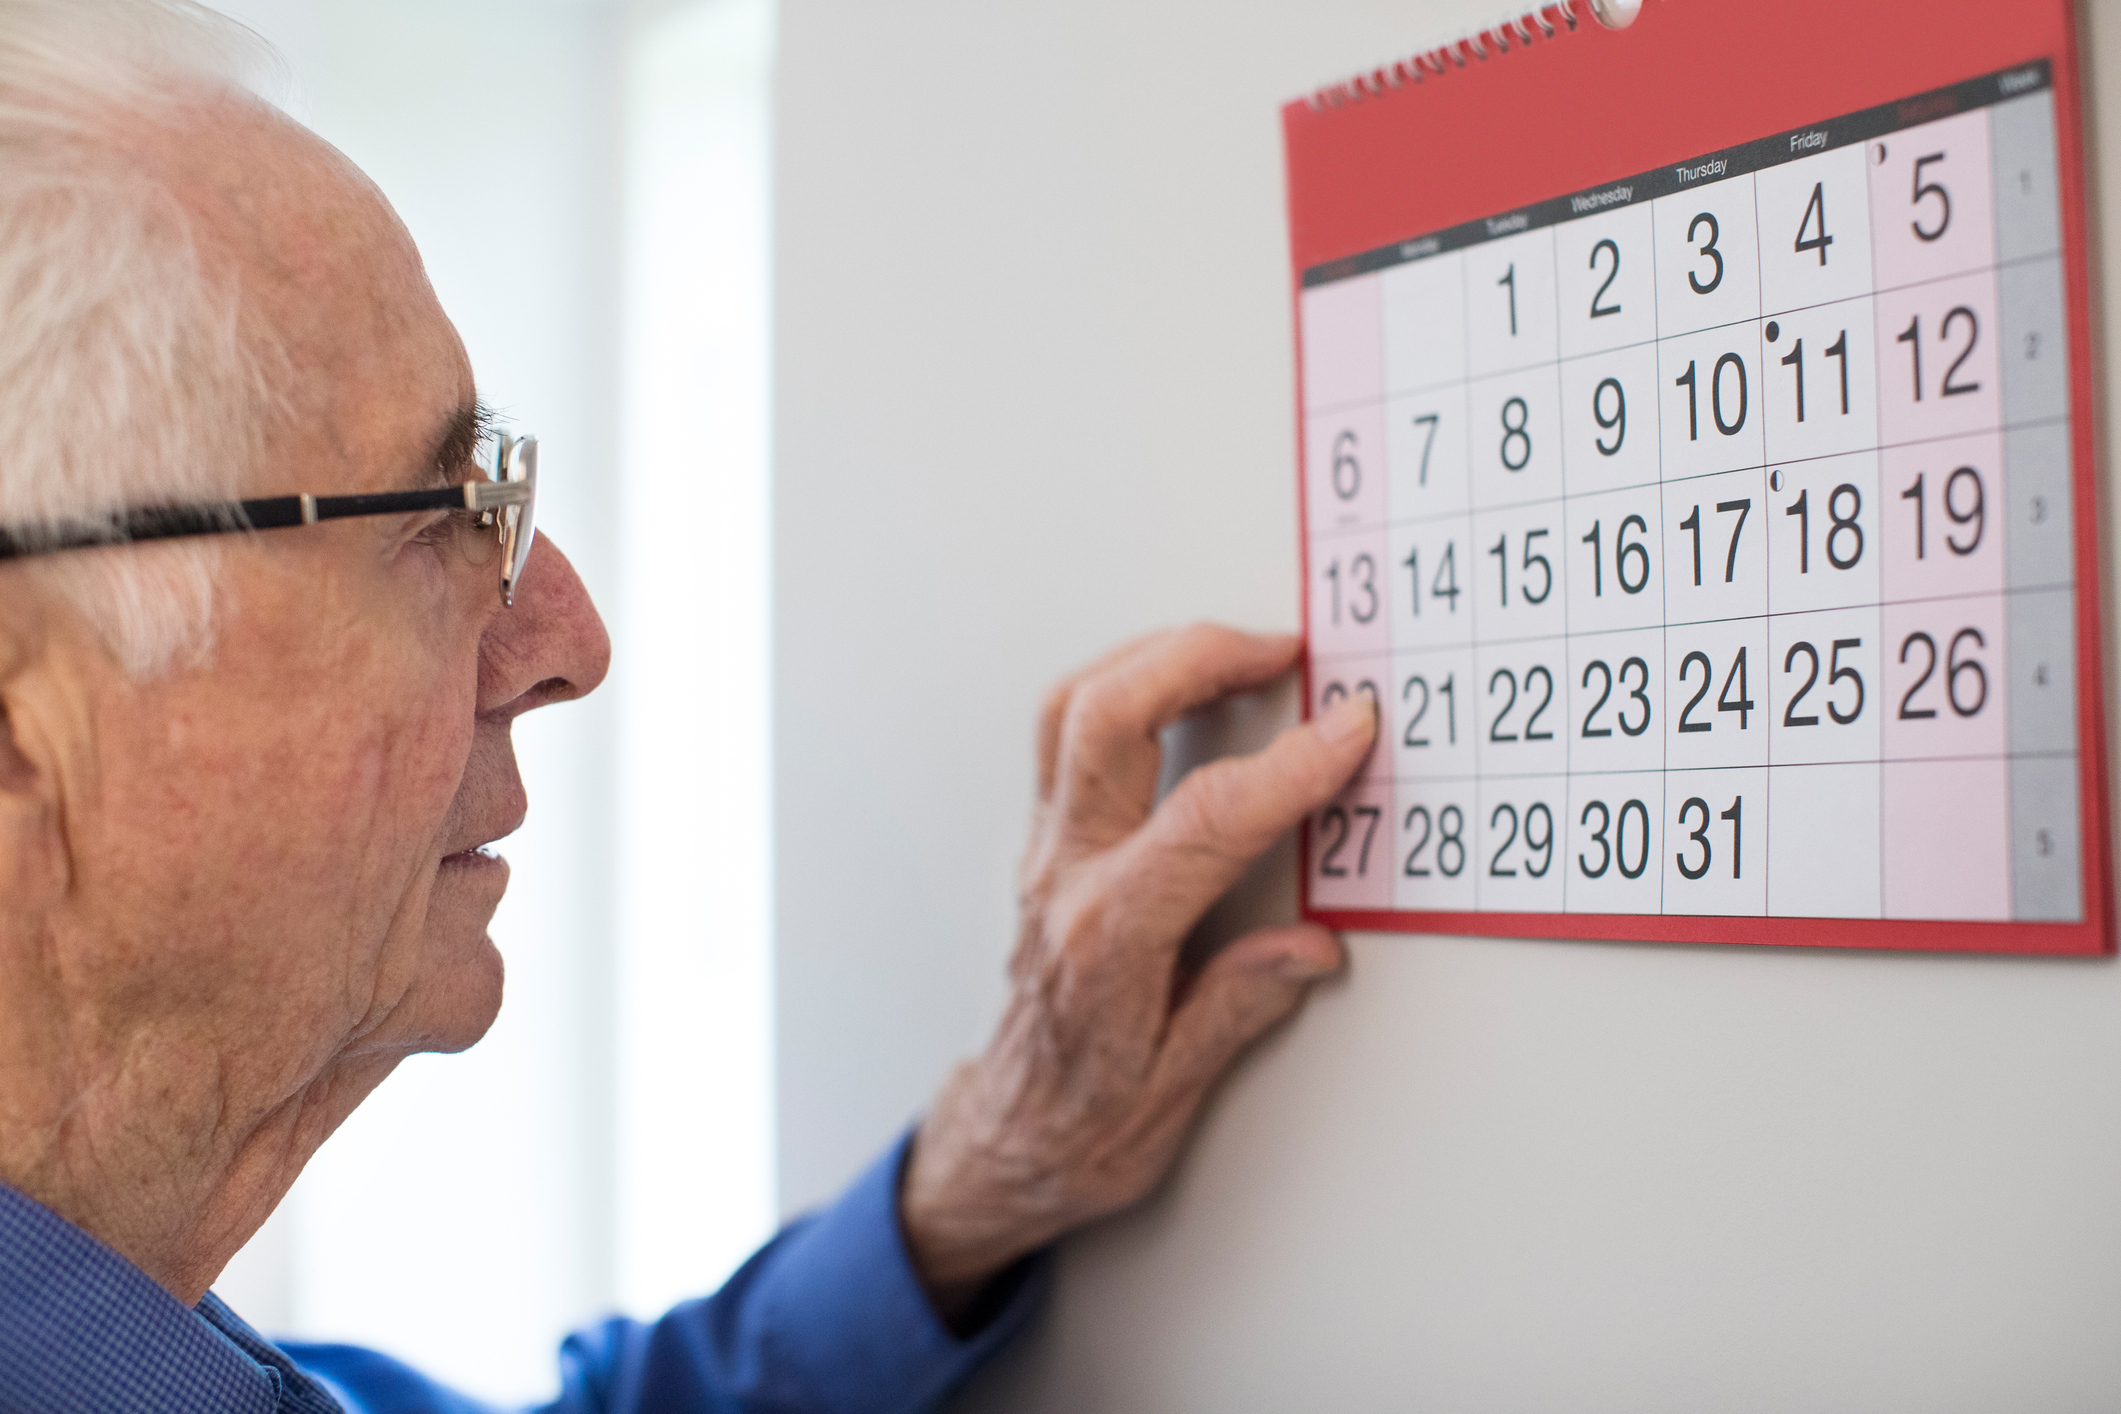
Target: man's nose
(551, 646)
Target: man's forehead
(326, 266)
(268, 192)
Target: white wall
(1034, 395)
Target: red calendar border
(1556, 116)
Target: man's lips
(483, 855)
(475, 846)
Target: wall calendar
(1697, 471)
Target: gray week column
(2039, 549)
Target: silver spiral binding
(1519, 28)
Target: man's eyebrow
(455, 445)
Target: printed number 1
(1510, 279)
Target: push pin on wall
(1616, 14)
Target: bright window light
(696, 1190)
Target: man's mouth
(487, 832)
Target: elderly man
(264, 627)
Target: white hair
(130, 373)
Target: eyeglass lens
(517, 460)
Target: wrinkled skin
(1106, 1048)
(234, 897)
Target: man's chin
(459, 1003)
(463, 994)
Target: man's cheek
(430, 751)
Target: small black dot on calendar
(1774, 481)
(1774, 331)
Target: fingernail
(1353, 718)
(1298, 968)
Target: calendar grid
(1841, 651)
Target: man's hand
(1107, 1047)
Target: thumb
(1244, 990)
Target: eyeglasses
(507, 503)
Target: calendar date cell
(1945, 828)
(1715, 835)
(1943, 678)
(1522, 708)
(1432, 590)
(1425, 453)
(1937, 368)
(1819, 380)
(2034, 341)
(1709, 417)
(1510, 309)
(1708, 256)
(1617, 700)
(1424, 314)
(1715, 547)
(1351, 841)
(1932, 201)
(1615, 847)
(1519, 573)
(1823, 841)
(1513, 437)
(1343, 363)
(1431, 715)
(1615, 559)
(1824, 691)
(1435, 860)
(2039, 514)
(1367, 678)
(1351, 585)
(1609, 428)
(1942, 517)
(1716, 694)
(1815, 230)
(1523, 851)
(1346, 457)
(1823, 540)
(2040, 683)
(1608, 298)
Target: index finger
(1226, 813)
(1053, 708)
(1108, 739)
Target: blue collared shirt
(828, 1317)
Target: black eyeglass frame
(507, 501)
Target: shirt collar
(82, 1328)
